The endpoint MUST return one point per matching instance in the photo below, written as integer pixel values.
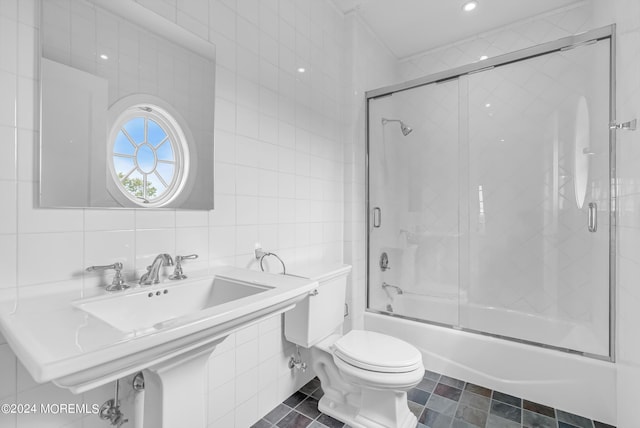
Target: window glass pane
(135, 128)
(146, 158)
(166, 171)
(165, 151)
(155, 134)
(134, 183)
(123, 165)
(155, 188)
(123, 145)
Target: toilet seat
(375, 352)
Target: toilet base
(375, 411)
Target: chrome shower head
(406, 130)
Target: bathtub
(566, 381)
(445, 309)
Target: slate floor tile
(448, 391)
(506, 411)
(506, 398)
(539, 408)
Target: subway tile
(26, 94)
(107, 247)
(150, 243)
(247, 357)
(8, 88)
(222, 369)
(8, 363)
(222, 19)
(47, 393)
(155, 219)
(246, 384)
(8, 160)
(58, 257)
(33, 219)
(224, 212)
(268, 398)
(8, 261)
(222, 401)
(109, 219)
(8, 213)
(193, 240)
(246, 412)
(222, 242)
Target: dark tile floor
(439, 402)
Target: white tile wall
(308, 175)
(278, 180)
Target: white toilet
(364, 374)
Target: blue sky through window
(143, 158)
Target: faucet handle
(177, 272)
(189, 257)
(118, 283)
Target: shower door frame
(565, 43)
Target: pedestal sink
(169, 330)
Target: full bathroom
(319, 213)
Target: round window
(148, 154)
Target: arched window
(148, 155)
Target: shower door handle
(377, 217)
(592, 219)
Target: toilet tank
(321, 313)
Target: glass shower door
(414, 204)
(536, 261)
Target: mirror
(126, 109)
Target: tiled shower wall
(279, 180)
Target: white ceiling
(409, 27)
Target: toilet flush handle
(314, 292)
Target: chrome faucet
(152, 276)
(398, 289)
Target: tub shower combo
(491, 234)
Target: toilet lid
(373, 351)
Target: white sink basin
(142, 309)
(80, 344)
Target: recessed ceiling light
(487, 105)
(483, 57)
(104, 56)
(469, 6)
(301, 70)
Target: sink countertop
(54, 339)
